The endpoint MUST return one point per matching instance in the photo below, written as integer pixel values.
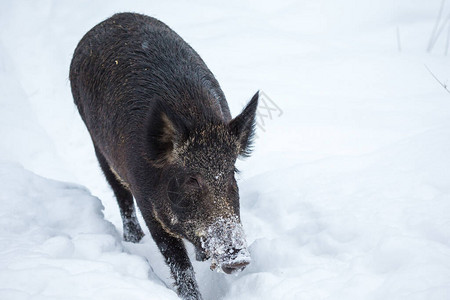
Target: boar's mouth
(231, 263)
(224, 243)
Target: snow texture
(346, 195)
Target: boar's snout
(224, 242)
(238, 264)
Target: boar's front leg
(132, 231)
(174, 252)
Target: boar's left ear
(165, 130)
(243, 126)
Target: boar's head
(198, 197)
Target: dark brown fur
(163, 134)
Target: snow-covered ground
(347, 195)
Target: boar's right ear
(243, 127)
(165, 130)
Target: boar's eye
(193, 182)
(175, 194)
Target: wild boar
(163, 134)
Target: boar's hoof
(132, 233)
(200, 255)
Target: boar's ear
(243, 126)
(165, 130)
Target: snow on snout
(224, 241)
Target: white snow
(55, 244)
(346, 196)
